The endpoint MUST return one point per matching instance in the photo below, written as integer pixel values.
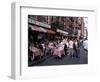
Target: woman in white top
(71, 47)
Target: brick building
(73, 25)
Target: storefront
(41, 31)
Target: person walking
(75, 47)
(66, 47)
(78, 49)
(71, 48)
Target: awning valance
(62, 32)
(50, 31)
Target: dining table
(58, 52)
(36, 52)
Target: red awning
(50, 31)
(40, 29)
(36, 28)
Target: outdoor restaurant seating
(58, 52)
(36, 52)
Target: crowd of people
(63, 46)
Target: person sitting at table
(47, 49)
(60, 49)
(50, 48)
(36, 51)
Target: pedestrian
(78, 49)
(66, 46)
(65, 49)
(71, 47)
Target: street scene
(57, 40)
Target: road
(65, 60)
